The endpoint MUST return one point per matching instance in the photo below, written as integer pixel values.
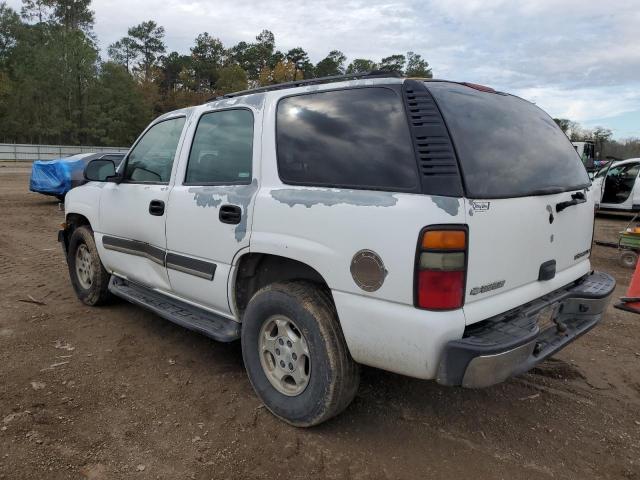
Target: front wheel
(296, 355)
(89, 278)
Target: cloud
(584, 104)
(576, 58)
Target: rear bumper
(512, 343)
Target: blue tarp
(57, 177)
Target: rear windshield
(507, 147)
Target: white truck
(436, 229)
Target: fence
(13, 152)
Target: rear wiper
(576, 198)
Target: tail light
(441, 265)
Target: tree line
(606, 147)
(55, 87)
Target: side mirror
(99, 170)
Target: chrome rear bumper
(512, 343)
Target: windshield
(506, 146)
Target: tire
(628, 258)
(332, 375)
(91, 288)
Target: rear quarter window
(354, 138)
(506, 146)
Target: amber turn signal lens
(444, 240)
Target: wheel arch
(72, 221)
(255, 270)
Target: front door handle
(156, 207)
(230, 214)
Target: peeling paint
(241, 195)
(448, 204)
(255, 100)
(330, 197)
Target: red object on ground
(631, 302)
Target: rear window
(355, 138)
(507, 147)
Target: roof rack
(311, 81)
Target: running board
(194, 318)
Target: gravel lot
(116, 392)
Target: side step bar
(194, 318)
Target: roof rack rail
(311, 81)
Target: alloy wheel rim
(284, 355)
(84, 267)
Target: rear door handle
(230, 214)
(156, 207)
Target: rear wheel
(89, 278)
(295, 354)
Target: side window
(151, 159)
(355, 138)
(222, 149)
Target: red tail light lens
(440, 290)
(441, 268)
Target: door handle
(156, 207)
(230, 214)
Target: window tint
(152, 158)
(355, 138)
(222, 148)
(507, 147)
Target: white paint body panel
(124, 213)
(396, 337)
(193, 226)
(509, 241)
(85, 201)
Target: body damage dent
(330, 197)
(212, 196)
(448, 204)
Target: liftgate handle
(576, 198)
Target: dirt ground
(116, 392)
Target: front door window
(151, 159)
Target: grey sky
(575, 58)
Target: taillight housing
(441, 267)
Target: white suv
(435, 229)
